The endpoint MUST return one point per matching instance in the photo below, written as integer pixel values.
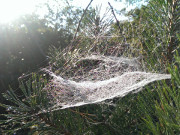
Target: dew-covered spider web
(100, 71)
(102, 78)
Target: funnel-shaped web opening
(105, 78)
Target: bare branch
(77, 30)
(112, 10)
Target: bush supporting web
(101, 78)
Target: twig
(77, 30)
(118, 24)
(112, 10)
(84, 115)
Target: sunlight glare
(12, 9)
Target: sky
(12, 9)
(104, 4)
(115, 4)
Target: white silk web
(101, 78)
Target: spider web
(97, 73)
(107, 77)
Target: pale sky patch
(12, 9)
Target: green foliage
(23, 111)
(153, 32)
(160, 25)
(165, 117)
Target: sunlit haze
(12, 9)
